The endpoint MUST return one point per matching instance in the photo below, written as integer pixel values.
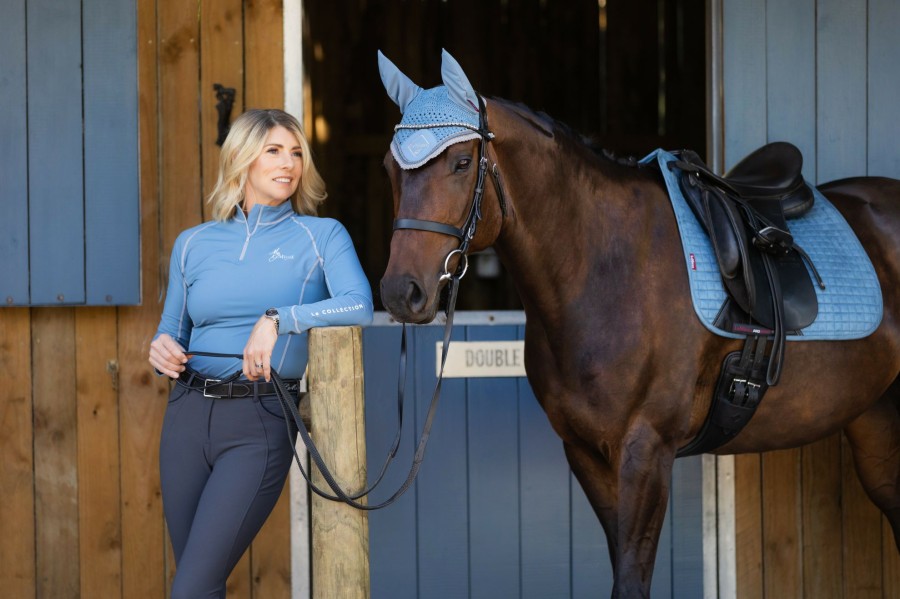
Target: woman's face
(275, 174)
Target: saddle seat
(773, 171)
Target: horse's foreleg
(629, 495)
(599, 482)
(875, 440)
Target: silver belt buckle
(208, 383)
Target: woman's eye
(272, 150)
(298, 154)
(463, 164)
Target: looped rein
(292, 416)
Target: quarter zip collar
(261, 216)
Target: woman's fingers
(167, 356)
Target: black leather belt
(217, 389)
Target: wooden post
(340, 533)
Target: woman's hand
(258, 351)
(167, 356)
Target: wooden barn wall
(81, 409)
(822, 74)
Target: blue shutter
(69, 167)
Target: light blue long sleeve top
(224, 275)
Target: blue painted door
(495, 511)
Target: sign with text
(482, 359)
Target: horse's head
(438, 169)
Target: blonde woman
(252, 281)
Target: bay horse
(613, 349)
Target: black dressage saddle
(745, 214)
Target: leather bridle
(466, 233)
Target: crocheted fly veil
(433, 119)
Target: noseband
(467, 232)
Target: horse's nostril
(415, 297)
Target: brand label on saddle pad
(482, 359)
(850, 306)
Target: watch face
(272, 312)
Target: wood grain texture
(17, 558)
(821, 501)
(862, 535)
(55, 453)
(222, 62)
(748, 526)
(340, 533)
(99, 523)
(142, 394)
(263, 54)
(782, 544)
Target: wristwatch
(272, 314)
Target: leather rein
(465, 236)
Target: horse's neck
(575, 238)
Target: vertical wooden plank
(791, 76)
(392, 531)
(17, 558)
(13, 157)
(748, 526)
(340, 533)
(270, 564)
(263, 54)
(99, 521)
(546, 507)
(221, 61)
(55, 453)
(179, 65)
(111, 184)
(687, 527)
(782, 542)
(883, 88)
(442, 528)
(55, 177)
(493, 486)
(142, 394)
(822, 540)
(841, 88)
(862, 535)
(744, 77)
(891, 562)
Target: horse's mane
(605, 159)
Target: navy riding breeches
(223, 463)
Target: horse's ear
(461, 91)
(399, 87)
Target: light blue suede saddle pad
(850, 306)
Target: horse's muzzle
(407, 299)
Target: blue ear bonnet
(415, 142)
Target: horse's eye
(462, 164)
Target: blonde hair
(245, 142)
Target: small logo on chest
(277, 255)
